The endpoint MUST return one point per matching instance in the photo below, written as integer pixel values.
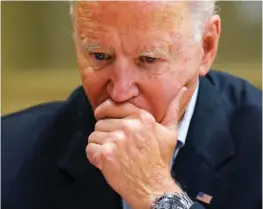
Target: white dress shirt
(183, 127)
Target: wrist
(168, 185)
(173, 200)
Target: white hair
(201, 11)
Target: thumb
(172, 114)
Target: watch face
(170, 203)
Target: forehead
(138, 19)
(155, 13)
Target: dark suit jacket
(44, 164)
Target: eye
(146, 59)
(99, 60)
(100, 56)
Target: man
(156, 130)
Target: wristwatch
(173, 201)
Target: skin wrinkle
(158, 52)
(152, 92)
(160, 21)
(199, 12)
(125, 36)
(168, 53)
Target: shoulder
(33, 119)
(236, 92)
(29, 115)
(27, 122)
(246, 164)
(247, 132)
(243, 103)
(22, 132)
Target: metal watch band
(173, 200)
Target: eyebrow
(165, 53)
(162, 52)
(89, 46)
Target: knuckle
(90, 152)
(110, 137)
(93, 155)
(117, 137)
(108, 151)
(97, 112)
(140, 114)
(125, 126)
(98, 125)
(91, 137)
(120, 136)
(145, 117)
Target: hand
(133, 151)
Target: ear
(210, 41)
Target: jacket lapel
(82, 186)
(85, 186)
(207, 147)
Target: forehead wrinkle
(165, 46)
(88, 20)
(155, 14)
(91, 30)
(100, 23)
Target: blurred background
(39, 62)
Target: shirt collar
(184, 123)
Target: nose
(122, 86)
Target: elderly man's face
(137, 52)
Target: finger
(93, 152)
(171, 117)
(101, 138)
(109, 125)
(98, 137)
(110, 109)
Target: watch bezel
(178, 201)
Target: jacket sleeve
(196, 205)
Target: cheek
(160, 100)
(164, 87)
(94, 83)
(159, 91)
(183, 70)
